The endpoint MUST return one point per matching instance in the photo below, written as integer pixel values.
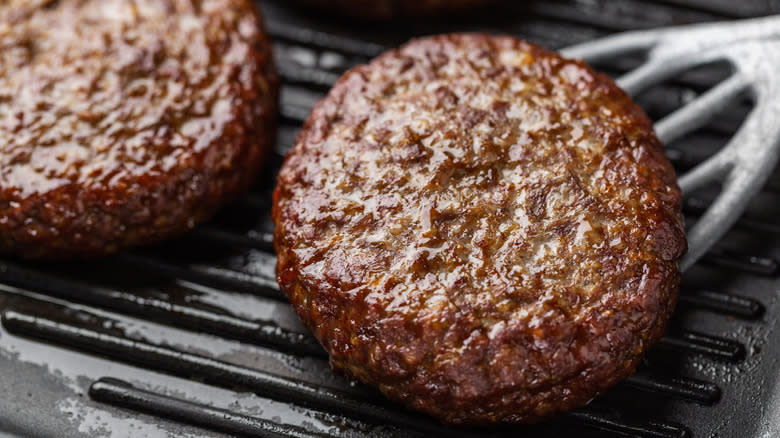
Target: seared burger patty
(126, 122)
(385, 9)
(482, 229)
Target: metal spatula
(752, 47)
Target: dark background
(716, 373)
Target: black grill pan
(194, 339)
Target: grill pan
(192, 338)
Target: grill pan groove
(656, 380)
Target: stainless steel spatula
(752, 47)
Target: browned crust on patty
(386, 9)
(482, 229)
(124, 123)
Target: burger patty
(385, 9)
(485, 231)
(123, 123)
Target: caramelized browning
(482, 229)
(125, 122)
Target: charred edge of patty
(582, 388)
(148, 209)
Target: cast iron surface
(192, 338)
